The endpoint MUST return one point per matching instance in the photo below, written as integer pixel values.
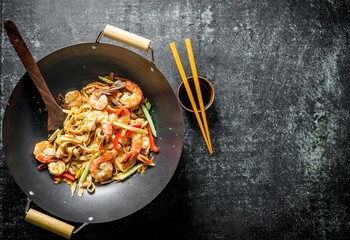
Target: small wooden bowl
(207, 91)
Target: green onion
(148, 105)
(138, 130)
(87, 168)
(105, 80)
(149, 119)
(55, 134)
(131, 171)
(79, 173)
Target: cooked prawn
(89, 122)
(57, 168)
(101, 168)
(73, 99)
(136, 145)
(123, 118)
(133, 99)
(98, 101)
(104, 172)
(44, 152)
(106, 124)
(129, 99)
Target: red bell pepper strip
(68, 175)
(117, 111)
(64, 175)
(116, 140)
(56, 178)
(118, 136)
(151, 140)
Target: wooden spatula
(55, 114)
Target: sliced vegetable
(128, 173)
(151, 141)
(124, 175)
(105, 80)
(55, 134)
(111, 76)
(149, 119)
(68, 175)
(131, 128)
(73, 187)
(116, 139)
(79, 173)
(87, 168)
(57, 179)
(148, 105)
(68, 181)
(114, 110)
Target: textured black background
(279, 123)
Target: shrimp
(57, 168)
(131, 99)
(123, 118)
(136, 145)
(145, 142)
(101, 168)
(98, 100)
(73, 99)
(44, 152)
(123, 166)
(106, 124)
(104, 172)
(89, 122)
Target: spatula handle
(33, 71)
(29, 62)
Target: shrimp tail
(44, 159)
(104, 158)
(129, 156)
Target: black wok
(25, 121)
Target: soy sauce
(185, 99)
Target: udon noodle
(106, 136)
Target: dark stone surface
(279, 123)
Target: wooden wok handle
(49, 223)
(127, 38)
(56, 115)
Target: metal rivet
(31, 193)
(152, 69)
(91, 218)
(93, 47)
(16, 40)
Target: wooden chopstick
(198, 89)
(188, 90)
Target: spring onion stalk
(73, 187)
(87, 168)
(55, 134)
(131, 171)
(138, 130)
(149, 119)
(106, 80)
(79, 173)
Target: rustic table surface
(279, 123)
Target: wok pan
(73, 67)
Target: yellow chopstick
(198, 89)
(188, 90)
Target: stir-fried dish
(106, 136)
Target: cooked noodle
(90, 128)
